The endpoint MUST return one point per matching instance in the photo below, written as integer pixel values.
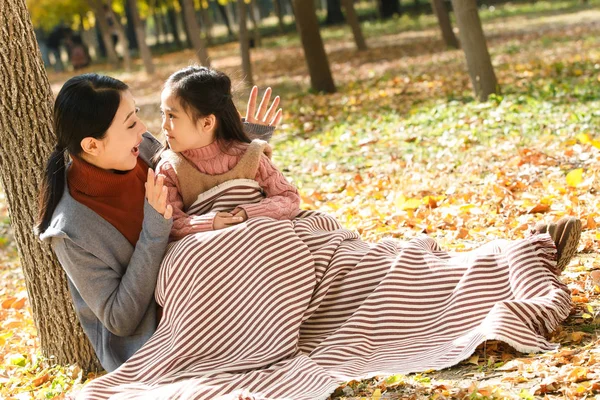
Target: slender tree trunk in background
(207, 21)
(140, 34)
(251, 8)
(352, 20)
(244, 43)
(387, 8)
(27, 141)
(186, 28)
(109, 47)
(172, 16)
(130, 26)
(314, 50)
(197, 42)
(231, 16)
(473, 44)
(441, 12)
(122, 37)
(334, 12)
(279, 13)
(225, 17)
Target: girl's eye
(171, 116)
(137, 110)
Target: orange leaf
(17, 305)
(539, 208)
(8, 302)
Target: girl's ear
(208, 123)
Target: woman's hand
(156, 193)
(272, 117)
(225, 220)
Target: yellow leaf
(590, 309)
(376, 394)
(586, 316)
(474, 359)
(575, 177)
(596, 143)
(583, 138)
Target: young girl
(208, 146)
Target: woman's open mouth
(136, 149)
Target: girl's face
(180, 130)
(120, 147)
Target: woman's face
(120, 147)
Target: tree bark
(441, 12)
(314, 50)
(279, 12)
(141, 36)
(27, 141)
(473, 43)
(197, 42)
(334, 12)
(352, 20)
(130, 26)
(172, 18)
(244, 43)
(109, 47)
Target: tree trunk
(473, 43)
(314, 50)
(197, 42)
(140, 34)
(387, 8)
(279, 12)
(256, 31)
(334, 12)
(244, 43)
(104, 29)
(441, 12)
(172, 17)
(207, 21)
(122, 36)
(130, 26)
(186, 28)
(27, 141)
(352, 19)
(226, 20)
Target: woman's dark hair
(85, 107)
(203, 91)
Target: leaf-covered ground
(403, 149)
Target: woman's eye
(132, 125)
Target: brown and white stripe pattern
(289, 309)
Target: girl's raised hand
(156, 193)
(262, 116)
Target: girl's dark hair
(85, 107)
(203, 91)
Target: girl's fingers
(272, 110)
(262, 109)
(251, 104)
(277, 119)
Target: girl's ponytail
(52, 189)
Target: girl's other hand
(262, 116)
(156, 193)
(225, 220)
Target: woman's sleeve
(258, 131)
(119, 301)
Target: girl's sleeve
(183, 223)
(119, 301)
(282, 199)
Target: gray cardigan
(111, 282)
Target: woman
(106, 214)
(282, 309)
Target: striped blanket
(290, 309)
